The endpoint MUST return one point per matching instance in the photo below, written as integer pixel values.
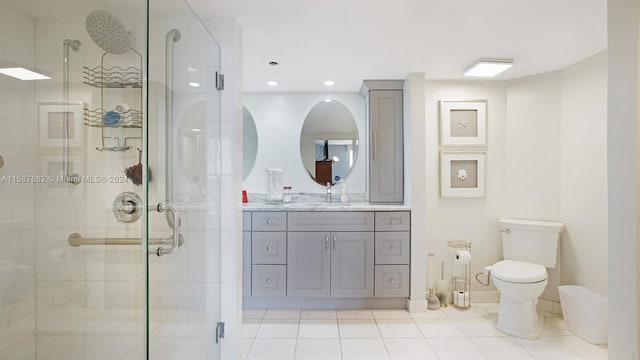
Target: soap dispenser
(344, 196)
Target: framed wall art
(463, 123)
(51, 117)
(462, 174)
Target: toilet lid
(519, 272)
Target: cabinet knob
(392, 281)
(392, 248)
(395, 221)
(269, 221)
(268, 281)
(269, 247)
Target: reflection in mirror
(329, 142)
(191, 141)
(249, 142)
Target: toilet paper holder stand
(461, 274)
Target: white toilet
(528, 247)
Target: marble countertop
(351, 206)
(317, 202)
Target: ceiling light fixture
(22, 73)
(327, 100)
(329, 83)
(194, 84)
(273, 82)
(195, 130)
(489, 67)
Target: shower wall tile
(55, 259)
(60, 306)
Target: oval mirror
(249, 142)
(329, 142)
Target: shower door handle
(177, 237)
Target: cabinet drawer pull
(269, 221)
(335, 239)
(326, 242)
(396, 221)
(268, 281)
(269, 248)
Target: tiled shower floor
(397, 334)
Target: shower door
(184, 143)
(110, 248)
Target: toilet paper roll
(462, 257)
(461, 299)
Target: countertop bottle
(286, 194)
(344, 196)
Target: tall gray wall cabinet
(384, 113)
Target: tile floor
(397, 335)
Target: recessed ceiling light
(329, 83)
(191, 69)
(194, 84)
(273, 82)
(195, 130)
(489, 67)
(327, 100)
(22, 73)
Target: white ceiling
(351, 40)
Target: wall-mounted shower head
(108, 32)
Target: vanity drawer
(269, 247)
(392, 247)
(246, 263)
(269, 280)
(246, 221)
(269, 221)
(393, 221)
(392, 281)
(330, 221)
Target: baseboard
(414, 306)
(310, 303)
(549, 306)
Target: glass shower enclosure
(109, 181)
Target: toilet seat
(518, 272)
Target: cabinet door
(308, 263)
(386, 147)
(352, 264)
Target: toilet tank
(530, 241)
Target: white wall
(622, 157)
(473, 220)
(279, 118)
(546, 152)
(584, 169)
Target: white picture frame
(463, 123)
(462, 174)
(50, 124)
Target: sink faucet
(328, 192)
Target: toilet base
(519, 318)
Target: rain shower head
(108, 32)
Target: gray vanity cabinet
(386, 167)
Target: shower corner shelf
(121, 77)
